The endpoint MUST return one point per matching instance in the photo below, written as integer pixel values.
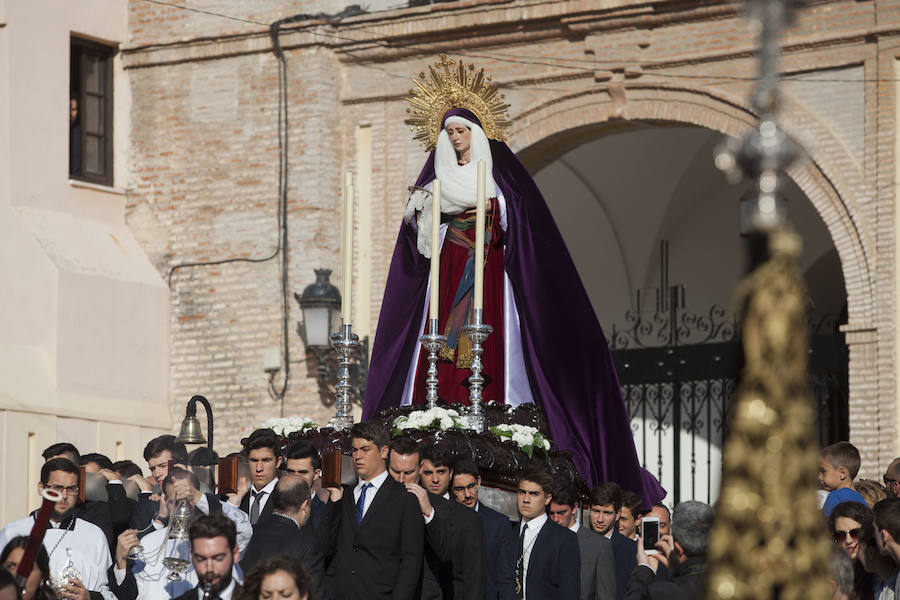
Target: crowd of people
(414, 525)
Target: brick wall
(205, 153)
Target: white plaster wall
(83, 313)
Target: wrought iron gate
(678, 372)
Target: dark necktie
(361, 503)
(254, 508)
(520, 565)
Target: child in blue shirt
(838, 465)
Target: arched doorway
(653, 228)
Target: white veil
(458, 182)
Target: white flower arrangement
(284, 426)
(439, 418)
(526, 438)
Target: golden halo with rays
(453, 84)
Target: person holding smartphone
(683, 552)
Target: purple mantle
(570, 368)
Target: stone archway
(827, 175)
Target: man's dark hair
(212, 526)
(177, 474)
(101, 460)
(539, 476)
(126, 468)
(467, 467)
(405, 446)
(263, 438)
(372, 431)
(58, 464)
(440, 456)
(62, 448)
(202, 457)
(605, 493)
(887, 516)
(632, 502)
(662, 506)
(564, 493)
(304, 449)
(160, 444)
(290, 494)
(842, 454)
(691, 523)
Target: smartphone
(650, 534)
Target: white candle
(435, 247)
(348, 248)
(479, 239)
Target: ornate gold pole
(768, 540)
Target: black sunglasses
(841, 536)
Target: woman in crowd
(278, 578)
(849, 522)
(37, 586)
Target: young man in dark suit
(284, 532)
(606, 502)
(302, 458)
(213, 552)
(404, 464)
(598, 573)
(263, 452)
(158, 453)
(549, 564)
(500, 542)
(378, 536)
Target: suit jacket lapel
(378, 501)
(349, 506)
(537, 547)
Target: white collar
(287, 516)
(477, 504)
(574, 527)
(375, 481)
(268, 489)
(535, 524)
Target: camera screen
(650, 534)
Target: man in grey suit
(598, 575)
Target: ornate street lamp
(321, 306)
(320, 303)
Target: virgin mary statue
(547, 345)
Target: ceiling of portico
(615, 197)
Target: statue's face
(460, 137)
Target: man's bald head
(291, 496)
(892, 479)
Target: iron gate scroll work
(678, 371)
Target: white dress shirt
(268, 489)
(376, 482)
(90, 551)
(574, 527)
(534, 528)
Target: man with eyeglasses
(500, 542)
(68, 537)
(892, 479)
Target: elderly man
(683, 552)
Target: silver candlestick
(478, 332)
(433, 342)
(345, 342)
